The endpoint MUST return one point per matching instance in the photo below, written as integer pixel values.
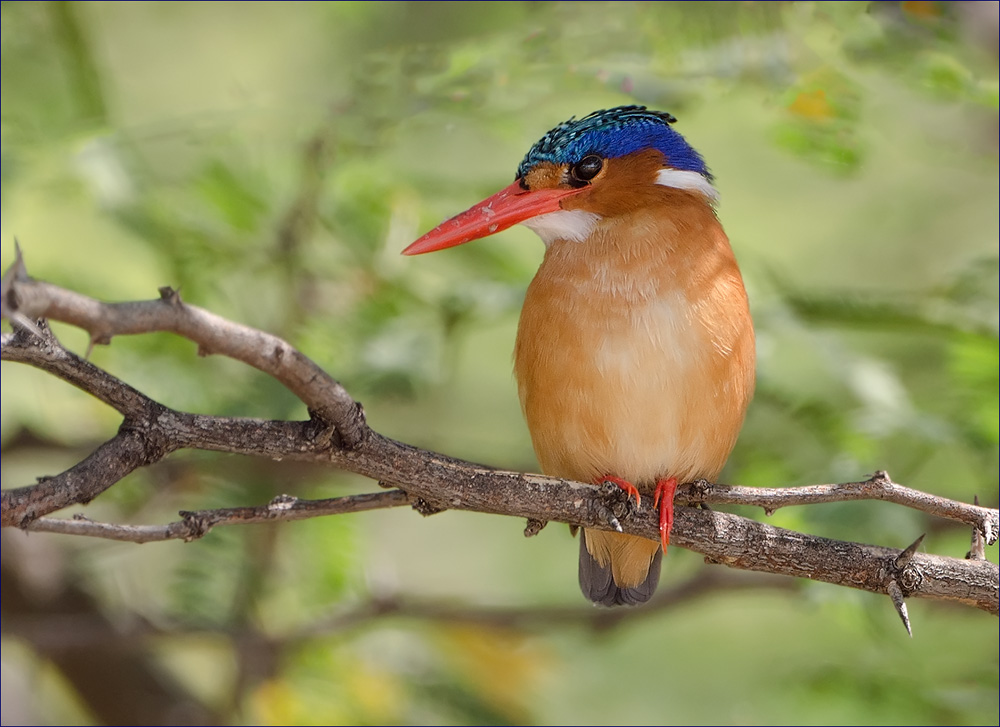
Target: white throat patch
(571, 225)
(691, 181)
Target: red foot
(625, 485)
(664, 497)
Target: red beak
(494, 214)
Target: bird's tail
(618, 569)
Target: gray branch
(429, 482)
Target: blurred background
(270, 160)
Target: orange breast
(635, 349)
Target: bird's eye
(587, 168)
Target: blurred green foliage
(271, 159)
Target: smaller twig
(41, 349)
(194, 525)
(878, 487)
(23, 297)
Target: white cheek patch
(570, 225)
(577, 225)
(688, 180)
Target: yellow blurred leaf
(275, 702)
(811, 105)
(503, 666)
(921, 8)
(377, 693)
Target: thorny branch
(429, 482)
(196, 524)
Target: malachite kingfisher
(635, 354)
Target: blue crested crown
(615, 133)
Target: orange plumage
(635, 349)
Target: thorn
(24, 322)
(169, 294)
(534, 527)
(904, 558)
(768, 511)
(896, 594)
(20, 269)
(881, 477)
(8, 297)
(573, 530)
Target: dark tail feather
(598, 585)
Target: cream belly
(632, 398)
(635, 385)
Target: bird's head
(584, 170)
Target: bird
(635, 349)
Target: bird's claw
(625, 485)
(615, 501)
(663, 497)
